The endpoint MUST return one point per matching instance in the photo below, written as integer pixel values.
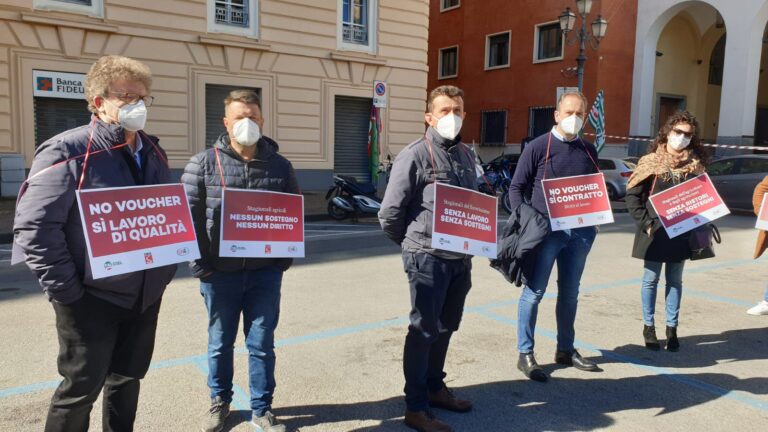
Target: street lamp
(599, 27)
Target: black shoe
(649, 334)
(526, 363)
(576, 360)
(672, 343)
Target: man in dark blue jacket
(241, 158)
(559, 153)
(106, 326)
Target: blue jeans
(673, 278)
(569, 248)
(255, 294)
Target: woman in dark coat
(675, 156)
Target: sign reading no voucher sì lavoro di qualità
(135, 228)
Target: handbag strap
(715, 233)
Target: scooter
(347, 198)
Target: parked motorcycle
(347, 198)
(497, 179)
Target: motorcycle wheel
(336, 212)
(505, 202)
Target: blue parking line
(664, 372)
(313, 337)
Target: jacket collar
(264, 147)
(114, 134)
(438, 140)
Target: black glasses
(682, 132)
(132, 98)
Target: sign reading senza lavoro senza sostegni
(136, 228)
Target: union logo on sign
(45, 84)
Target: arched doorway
(761, 117)
(690, 55)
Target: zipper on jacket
(247, 186)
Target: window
(753, 166)
(448, 66)
(606, 164)
(238, 17)
(717, 62)
(497, 50)
(446, 5)
(87, 7)
(723, 167)
(494, 126)
(540, 120)
(548, 42)
(358, 25)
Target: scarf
(666, 165)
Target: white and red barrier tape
(728, 146)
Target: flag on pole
(374, 144)
(597, 120)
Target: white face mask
(132, 117)
(246, 132)
(449, 126)
(678, 142)
(572, 124)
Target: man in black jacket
(106, 327)
(439, 279)
(244, 159)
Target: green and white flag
(597, 120)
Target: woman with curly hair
(675, 156)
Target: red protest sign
(683, 207)
(762, 215)
(135, 228)
(258, 224)
(464, 221)
(577, 201)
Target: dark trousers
(438, 290)
(100, 345)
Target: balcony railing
(355, 33)
(232, 14)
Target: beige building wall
(296, 60)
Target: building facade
(511, 57)
(706, 56)
(314, 63)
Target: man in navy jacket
(106, 327)
(559, 153)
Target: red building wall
(524, 83)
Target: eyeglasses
(132, 98)
(682, 132)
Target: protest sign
(577, 201)
(261, 224)
(464, 221)
(762, 215)
(136, 228)
(688, 205)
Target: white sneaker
(759, 309)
